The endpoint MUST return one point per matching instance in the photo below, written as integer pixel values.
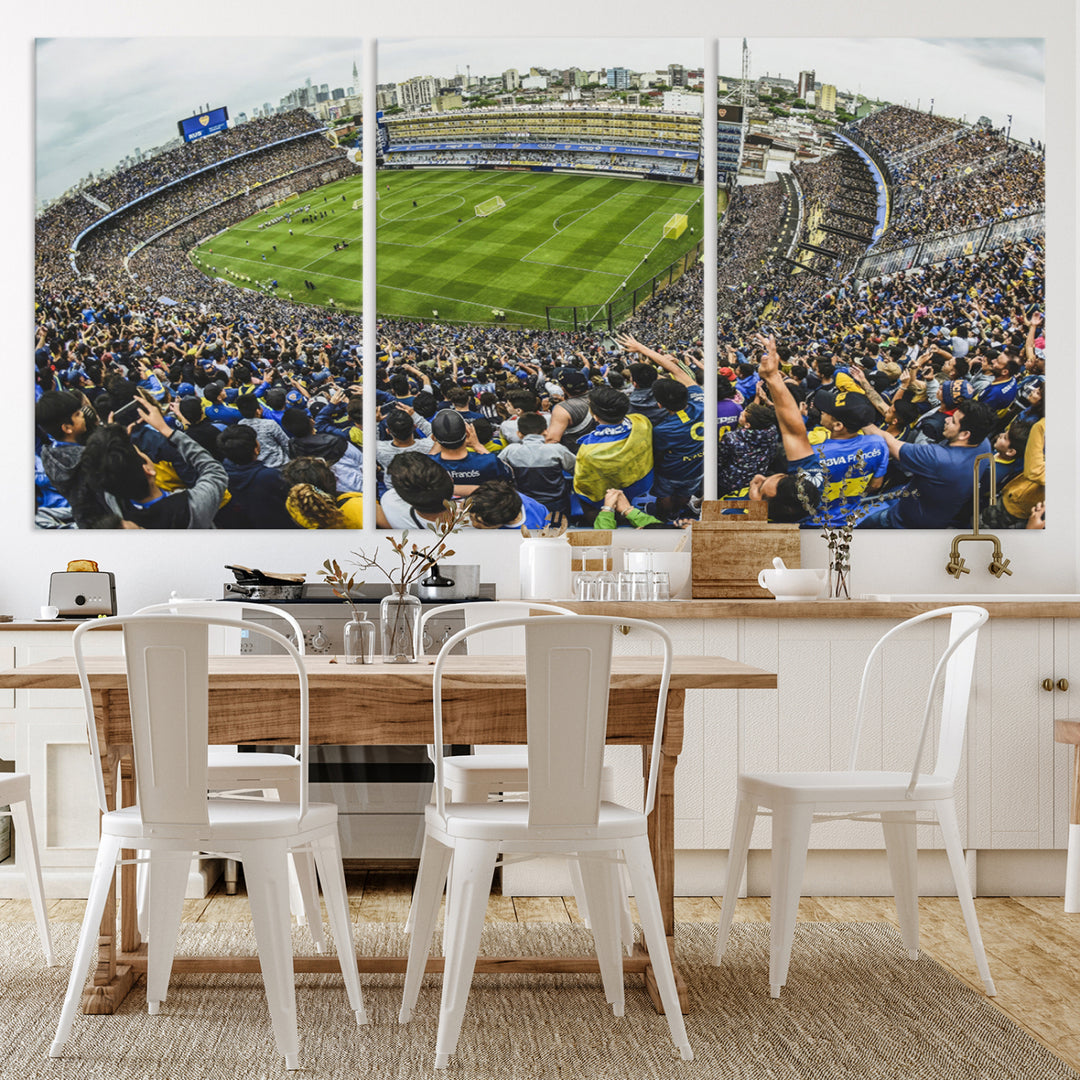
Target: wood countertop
(1050, 607)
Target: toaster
(81, 594)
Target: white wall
(148, 566)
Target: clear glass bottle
(359, 640)
(399, 619)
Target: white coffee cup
(49, 611)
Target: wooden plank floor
(1032, 946)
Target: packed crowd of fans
(965, 177)
(897, 129)
(177, 401)
(129, 184)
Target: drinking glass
(633, 585)
(606, 586)
(582, 583)
(659, 587)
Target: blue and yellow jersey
(849, 466)
(679, 442)
(615, 456)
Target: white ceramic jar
(544, 565)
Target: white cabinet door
(51, 745)
(1066, 707)
(7, 707)
(1013, 775)
(56, 754)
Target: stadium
(523, 255)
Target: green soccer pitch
(559, 240)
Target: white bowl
(793, 584)
(675, 563)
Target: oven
(380, 791)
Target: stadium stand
(626, 141)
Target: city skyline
(131, 92)
(99, 98)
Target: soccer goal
(675, 226)
(489, 206)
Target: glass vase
(839, 544)
(359, 640)
(399, 618)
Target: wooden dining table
(254, 699)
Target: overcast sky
(99, 98)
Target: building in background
(678, 101)
(416, 92)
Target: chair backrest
(231, 609)
(956, 667)
(505, 643)
(567, 677)
(167, 659)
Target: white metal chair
(796, 799)
(568, 670)
(167, 660)
(504, 770)
(276, 775)
(15, 794)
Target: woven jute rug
(854, 1006)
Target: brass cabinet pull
(1063, 684)
(1048, 684)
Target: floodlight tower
(744, 96)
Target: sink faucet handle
(999, 567)
(956, 567)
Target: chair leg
(625, 921)
(643, 879)
(22, 817)
(231, 876)
(327, 854)
(304, 902)
(600, 885)
(427, 895)
(626, 924)
(410, 919)
(460, 792)
(946, 815)
(142, 893)
(790, 839)
(577, 886)
(268, 893)
(104, 869)
(167, 873)
(474, 863)
(741, 831)
(902, 850)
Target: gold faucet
(999, 565)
